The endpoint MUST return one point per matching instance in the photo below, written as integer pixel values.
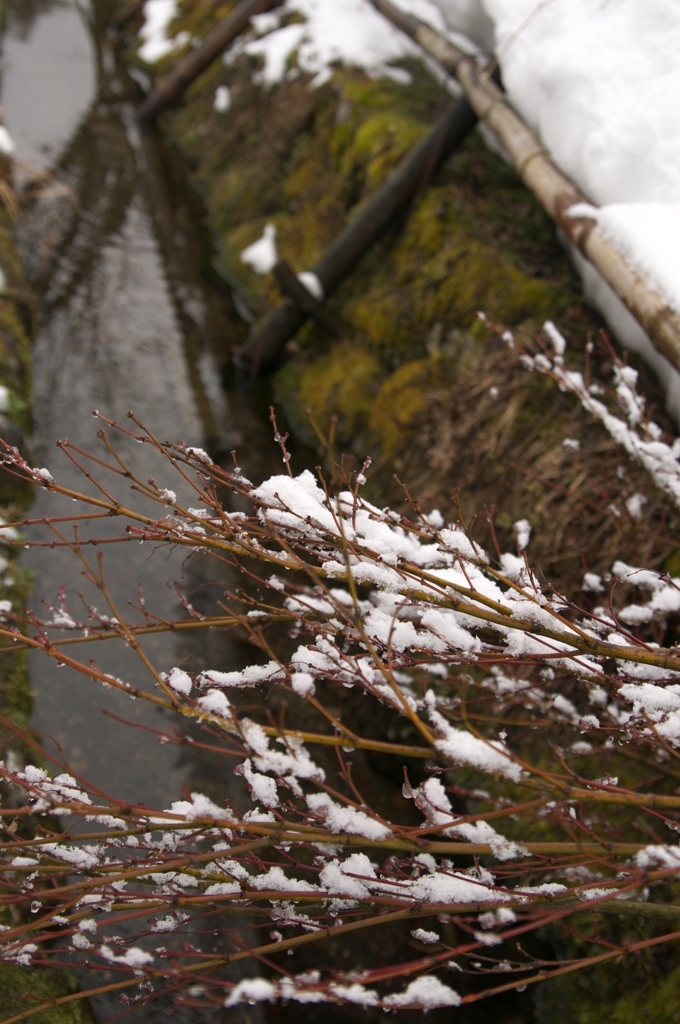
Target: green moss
(378, 145)
(342, 382)
(307, 160)
(401, 401)
(672, 564)
(21, 989)
(609, 996)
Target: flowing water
(126, 319)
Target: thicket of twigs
(526, 749)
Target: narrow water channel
(126, 320)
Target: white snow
(155, 42)
(347, 31)
(251, 990)
(312, 284)
(252, 675)
(634, 505)
(133, 957)
(462, 747)
(262, 787)
(599, 82)
(262, 255)
(6, 142)
(200, 455)
(426, 992)
(345, 819)
(180, 681)
(302, 683)
(429, 938)
(222, 101)
(215, 703)
(522, 531)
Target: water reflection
(21, 14)
(125, 321)
(49, 79)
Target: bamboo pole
(170, 88)
(415, 170)
(555, 192)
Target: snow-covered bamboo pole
(556, 193)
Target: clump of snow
(354, 993)
(215, 703)
(155, 42)
(312, 284)
(431, 799)
(133, 957)
(658, 856)
(522, 531)
(180, 681)
(297, 763)
(251, 675)
(199, 806)
(199, 455)
(429, 938)
(346, 31)
(425, 993)
(222, 101)
(262, 255)
(462, 747)
(44, 476)
(593, 583)
(7, 147)
(635, 504)
(302, 683)
(252, 990)
(262, 787)
(345, 819)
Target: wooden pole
(123, 18)
(170, 88)
(415, 170)
(555, 192)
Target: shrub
(527, 751)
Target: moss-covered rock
(22, 988)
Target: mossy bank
(415, 379)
